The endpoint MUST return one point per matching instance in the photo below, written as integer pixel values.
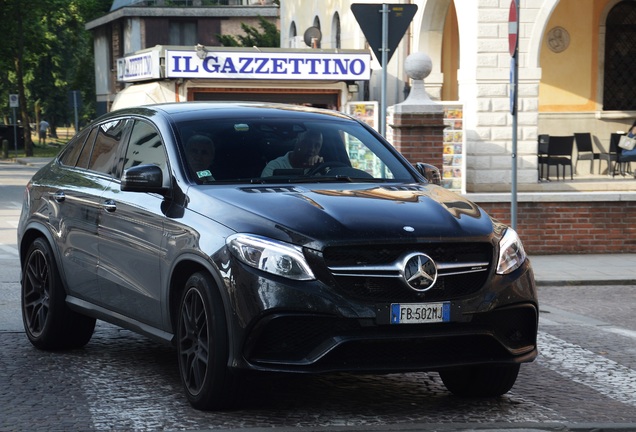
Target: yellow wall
(569, 78)
(450, 55)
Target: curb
(546, 282)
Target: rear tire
(481, 380)
(48, 322)
(203, 347)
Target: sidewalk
(584, 269)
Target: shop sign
(268, 65)
(139, 67)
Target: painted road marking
(585, 367)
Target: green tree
(47, 52)
(21, 38)
(268, 38)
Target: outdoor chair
(542, 152)
(585, 150)
(611, 156)
(559, 154)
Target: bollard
(5, 149)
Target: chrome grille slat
(394, 269)
(376, 273)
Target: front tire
(481, 380)
(203, 347)
(48, 322)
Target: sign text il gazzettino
(139, 67)
(268, 65)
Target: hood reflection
(455, 204)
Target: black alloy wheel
(203, 347)
(48, 321)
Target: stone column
(416, 126)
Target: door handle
(109, 205)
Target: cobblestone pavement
(586, 375)
(583, 380)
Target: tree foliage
(268, 38)
(46, 53)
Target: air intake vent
(277, 189)
(405, 188)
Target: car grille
(322, 343)
(373, 273)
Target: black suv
(271, 237)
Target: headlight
(511, 253)
(272, 256)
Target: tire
(48, 321)
(480, 381)
(203, 347)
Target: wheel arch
(181, 271)
(33, 231)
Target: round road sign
(513, 25)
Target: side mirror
(143, 178)
(429, 172)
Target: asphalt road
(583, 380)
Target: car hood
(331, 213)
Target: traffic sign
(369, 16)
(513, 27)
(14, 101)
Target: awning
(145, 94)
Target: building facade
(137, 25)
(574, 71)
(574, 63)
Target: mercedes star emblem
(420, 271)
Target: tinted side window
(73, 148)
(105, 153)
(85, 156)
(145, 147)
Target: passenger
(629, 155)
(200, 155)
(304, 155)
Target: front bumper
(306, 343)
(307, 327)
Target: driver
(304, 155)
(200, 155)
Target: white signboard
(14, 101)
(269, 65)
(139, 67)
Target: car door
(74, 204)
(131, 239)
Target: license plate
(420, 313)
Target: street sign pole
(513, 45)
(75, 92)
(14, 102)
(385, 51)
(15, 132)
(396, 16)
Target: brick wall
(419, 137)
(572, 227)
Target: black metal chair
(611, 156)
(585, 150)
(542, 152)
(624, 162)
(559, 154)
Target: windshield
(284, 151)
